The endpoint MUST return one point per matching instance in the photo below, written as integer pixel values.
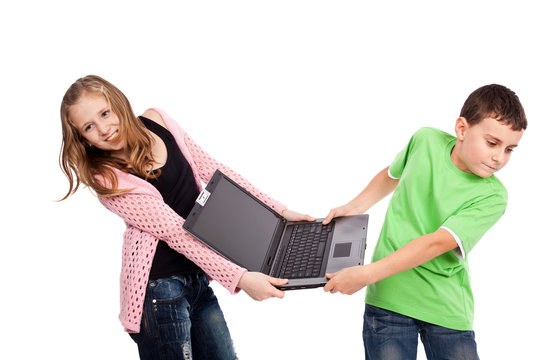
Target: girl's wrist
(243, 279)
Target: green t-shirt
(433, 193)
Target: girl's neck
(121, 154)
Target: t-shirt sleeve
(470, 223)
(396, 168)
(400, 161)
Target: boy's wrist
(354, 208)
(372, 273)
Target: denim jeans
(182, 320)
(389, 335)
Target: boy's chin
(483, 173)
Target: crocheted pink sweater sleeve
(207, 165)
(151, 215)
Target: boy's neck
(456, 159)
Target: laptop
(246, 231)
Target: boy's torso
(432, 192)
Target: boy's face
(483, 148)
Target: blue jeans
(389, 335)
(182, 320)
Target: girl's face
(96, 122)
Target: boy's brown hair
(495, 101)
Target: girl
(148, 171)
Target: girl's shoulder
(162, 118)
(154, 116)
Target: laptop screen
(236, 225)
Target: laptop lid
(233, 223)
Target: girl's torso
(178, 186)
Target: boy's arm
(415, 253)
(380, 186)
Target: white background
(307, 99)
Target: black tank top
(177, 185)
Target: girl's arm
(207, 165)
(151, 215)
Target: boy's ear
(462, 125)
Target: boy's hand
(343, 210)
(295, 216)
(349, 280)
(260, 286)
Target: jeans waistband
(184, 277)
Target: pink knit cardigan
(148, 219)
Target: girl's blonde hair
(81, 163)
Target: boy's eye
(491, 143)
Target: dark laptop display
(230, 217)
(243, 229)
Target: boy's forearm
(415, 253)
(379, 187)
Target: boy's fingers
(329, 217)
(329, 286)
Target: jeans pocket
(376, 319)
(170, 301)
(167, 291)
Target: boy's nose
(497, 156)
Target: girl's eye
(88, 127)
(105, 113)
(491, 143)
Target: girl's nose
(102, 128)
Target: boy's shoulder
(430, 137)
(431, 132)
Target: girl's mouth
(113, 137)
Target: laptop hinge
(269, 259)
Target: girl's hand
(260, 286)
(294, 216)
(343, 210)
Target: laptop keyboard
(304, 255)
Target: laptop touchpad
(342, 250)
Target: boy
(445, 198)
